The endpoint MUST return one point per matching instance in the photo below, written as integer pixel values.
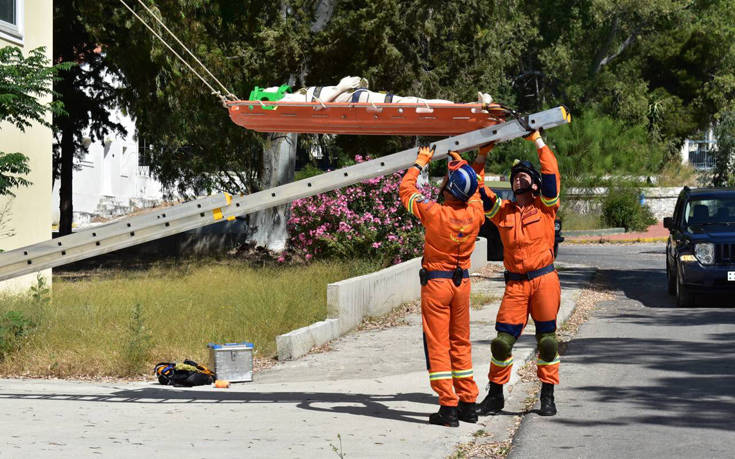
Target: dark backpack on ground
(185, 374)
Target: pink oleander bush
(363, 220)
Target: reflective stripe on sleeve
(414, 197)
(496, 207)
(549, 202)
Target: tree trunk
(66, 210)
(279, 162)
(268, 227)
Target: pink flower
(376, 245)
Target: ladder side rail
(112, 229)
(106, 245)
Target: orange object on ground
(364, 118)
(527, 234)
(221, 384)
(450, 233)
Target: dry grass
(393, 319)
(88, 329)
(479, 300)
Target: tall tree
(25, 81)
(724, 168)
(88, 92)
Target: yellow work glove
(455, 156)
(425, 155)
(533, 136)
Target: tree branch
(628, 41)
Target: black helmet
(527, 167)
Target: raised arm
(491, 203)
(415, 202)
(550, 178)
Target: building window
(11, 20)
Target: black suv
(700, 251)
(490, 232)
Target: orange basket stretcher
(365, 118)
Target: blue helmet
(462, 180)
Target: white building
(698, 153)
(111, 180)
(25, 219)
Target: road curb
(597, 232)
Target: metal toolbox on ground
(232, 361)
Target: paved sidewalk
(653, 233)
(370, 392)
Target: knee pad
(548, 346)
(502, 346)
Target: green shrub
(138, 345)
(14, 325)
(621, 207)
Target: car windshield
(710, 212)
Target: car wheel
(684, 299)
(671, 280)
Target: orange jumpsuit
(527, 234)
(450, 233)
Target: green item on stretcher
(259, 94)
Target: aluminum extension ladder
(130, 231)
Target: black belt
(456, 275)
(509, 276)
(446, 274)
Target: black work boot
(446, 416)
(548, 407)
(494, 402)
(467, 412)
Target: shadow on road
(356, 404)
(701, 397)
(649, 287)
(571, 277)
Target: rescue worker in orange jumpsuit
(532, 287)
(450, 232)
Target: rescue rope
(227, 91)
(223, 98)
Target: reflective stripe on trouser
(445, 313)
(540, 298)
(548, 372)
(500, 370)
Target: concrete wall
(28, 215)
(350, 300)
(661, 200)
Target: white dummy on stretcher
(354, 90)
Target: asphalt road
(642, 378)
